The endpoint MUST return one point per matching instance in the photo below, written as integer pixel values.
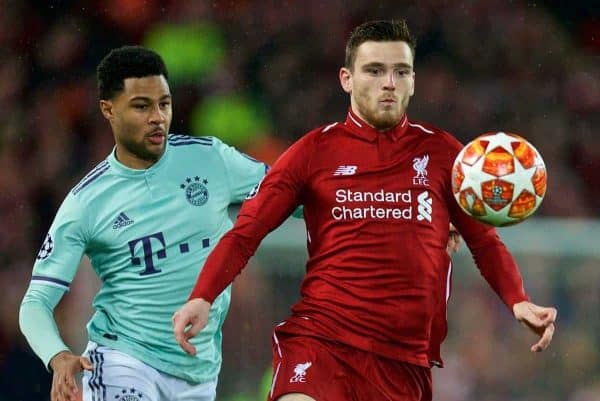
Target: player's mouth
(156, 137)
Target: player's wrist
(196, 295)
(200, 301)
(58, 359)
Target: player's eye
(140, 106)
(374, 70)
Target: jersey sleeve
(491, 256)
(265, 208)
(63, 247)
(53, 271)
(36, 320)
(243, 172)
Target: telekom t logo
(146, 242)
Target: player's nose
(157, 115)
(389, 81)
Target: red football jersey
(377, 207)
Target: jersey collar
(360, 128)
(124, 170)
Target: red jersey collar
(360, 128)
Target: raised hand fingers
(188, 321)
(551, 314)
(187, 346)
(64, 388)
(542, 317)
(545, 340)
(86, 363)
(182, 337)
(180, 323)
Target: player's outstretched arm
(539, 319)
(65, 366)
(188, 321)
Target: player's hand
(65, 366)
(188, 321)
(538, 319)
(454, 240)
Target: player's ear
(106, 107)
(346, 79)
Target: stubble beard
(378, 117)
(382, 119)
(141, 151)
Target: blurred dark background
(259, 74)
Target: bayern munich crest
(47, 248)
(195, 190)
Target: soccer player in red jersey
(377, 199)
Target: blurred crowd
(259, 74)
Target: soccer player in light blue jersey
(147, 218)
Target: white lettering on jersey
(424, 208)
(300, 372)
(396, 205)
(380, 205)
(345, 170)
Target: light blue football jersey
(147, 234)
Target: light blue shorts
(120, 377)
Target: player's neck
(132, 161)
(366, 121)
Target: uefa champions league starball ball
(499, 178)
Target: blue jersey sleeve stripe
(190, 143)
(62, 283)
(90, 179)
(88, 175)
(190, 139)
(173, 139)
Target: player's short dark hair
(378, 31)
(127, 62)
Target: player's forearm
(500, 270)
(228, 258)
(494, 261)
(37, 324)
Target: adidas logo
(122, 221)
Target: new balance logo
(345, 170)
(122, 221)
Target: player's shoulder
(185, 142)
(324, 131)
(436, 133)
(93, 179)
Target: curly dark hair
(378, 31)
(127, 62)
